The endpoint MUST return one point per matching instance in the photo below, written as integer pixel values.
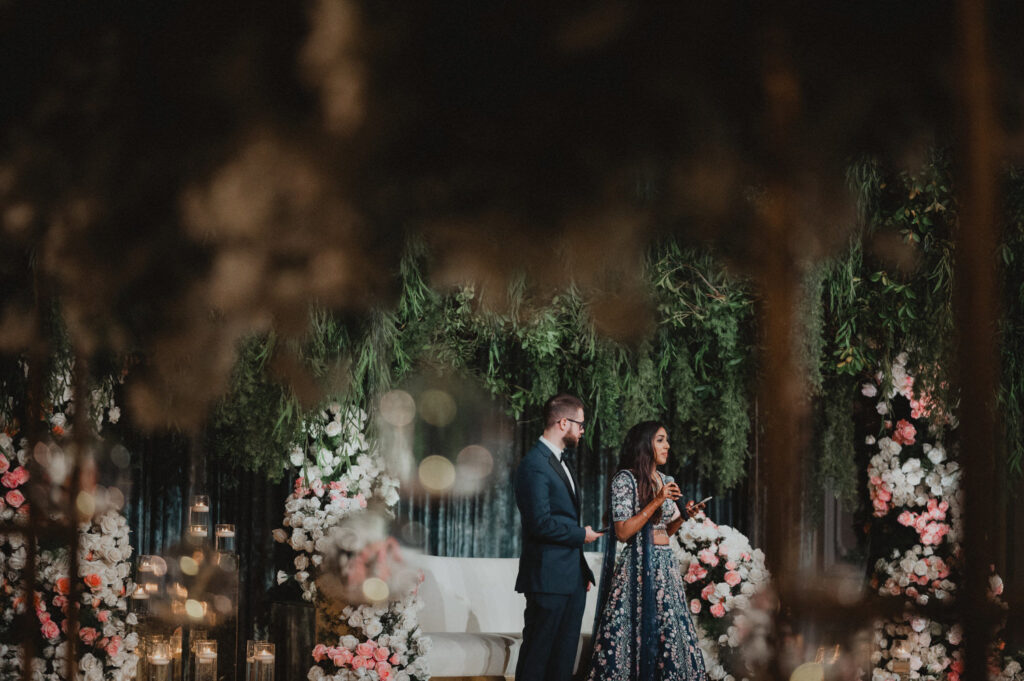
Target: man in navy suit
(553, 574)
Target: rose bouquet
(916, 501)
(339, 544)
(722, 573)
(385, 643)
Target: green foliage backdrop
(890, 291)
(694, 370)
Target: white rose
(333, 429)
(349, 641)
(114, 414)
(280, 535)
(882, 408)
(301, 562)
(868, 390)
(282, 576)
(373, 628)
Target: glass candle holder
(225, 536)
(204, 660)
(259, 661)
(199, 517)
(158, 659)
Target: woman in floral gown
(643, 630)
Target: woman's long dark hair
(637, 455)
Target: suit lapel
(560, 470)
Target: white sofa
(475, 617)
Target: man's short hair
(562, 405)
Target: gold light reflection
(398, 408)
(437, 473)
(437, 407)
(375, 589)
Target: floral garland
(917, 504)
(340, 477)
(722, 574)
(107, 647)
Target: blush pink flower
(695, 606)
(50, 630)
(718, 610)
(381, 654)
(359, 661)
(732, 578)
(695, 572)
(394, 659)
(14, 498)
(707, 556)
(103, 615)
(113, 646)
(319, 652)
(905, 432)
(5, 464)
(382, 668)
(88, 635)
(366, 649)
(707, 592)
(906, 518)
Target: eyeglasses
(578, 423)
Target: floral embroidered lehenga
(643, 631)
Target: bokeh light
(398, 408)
(475, 462)
(86, 504)
(413, 533)
(437, 407)
(437, 474)
(189, 566)
(375, 589)
(120, 456)
(194, 609)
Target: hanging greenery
(693, 370)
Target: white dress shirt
(558, 455)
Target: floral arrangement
(916, 501)
(398, 655)
(326, 523)
(722, 573)
(106, 646)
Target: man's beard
(570, 441)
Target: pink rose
(114, 645)
(88, 635)
(906, 518)
(381, 654)
(730, 565)
(50, 630)
(394, 659)
(14, 498)
(382, 668)
(103, 615)
(905, 433)
(695, 606)
(707, 556)
(358, 662)
(694, 572)
(4, 464)
(707, 592)
(341, 656)
(319, 652)
(718, 610)
(366, 649)
(732, 578)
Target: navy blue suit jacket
(552, 558)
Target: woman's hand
(693, 508)
(669, 492)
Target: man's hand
(591, 535)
